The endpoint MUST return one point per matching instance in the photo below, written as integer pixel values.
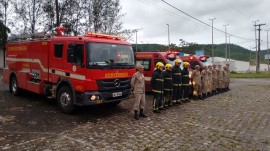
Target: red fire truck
(75, 70)
(196, 60)
(149, 60)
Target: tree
(30, 13)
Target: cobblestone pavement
(235, 120)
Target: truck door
(75, 68)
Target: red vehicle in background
(196, 60)
(149, 60)
(74, 70)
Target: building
(239, 66)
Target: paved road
(235, 120)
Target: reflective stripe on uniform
(160, 80)
(168, 89)
(185, 84)
(177, 74)
(168, 78)
(176, 84)
(185, 75)
(157, 91)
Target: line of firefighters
(171, 86)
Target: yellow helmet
(159, 64)
(185, 64)
(177, 61)
(168, 66)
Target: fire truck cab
(149, 60)
(74, 70)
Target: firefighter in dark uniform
(185, 82)
(157, 88)
(177, 80)
(168, 86)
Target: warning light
(191, 58)
(90, 34)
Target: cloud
(153, 15)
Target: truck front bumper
(96, 97)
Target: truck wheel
(65, 100)
(13, 86)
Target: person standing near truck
(228, 76)
(185, 82)
(197, 82)
(138, 89)
(220, 79)
(204, 82)
(157, 85)
(168, 85)
(214, 80)
(209, 82)
(177, 80)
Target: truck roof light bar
(91, 34)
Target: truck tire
(65, 100)
(13, 86)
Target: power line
(202, 21)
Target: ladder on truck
(30, 37)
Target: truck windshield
(104, 55)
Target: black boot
(136, 115)
(142, 114)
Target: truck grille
(113, 84)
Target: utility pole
(249, 60)
(169, 36)
(256, 40)
(226, 41)
(229, 48)
(268, 57)
(259, 48)
(212, 39)
(136, 37)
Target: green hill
(237, 52)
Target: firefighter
(209, 82)
(157, 85)
(225, 79)
(228, 76)
(197, 85)
(214, 80)
(168, 86)
(220, 79)
(138, 89)
(185, 82)
(176, 76)
(204, 82)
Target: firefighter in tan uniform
(225, 78)
(220, 78)
(197, 82)
(209, 82)
(228, 77)
(204, 82)
(214, 80)
(138, 89)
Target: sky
(152, 17)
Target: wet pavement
(235, 120)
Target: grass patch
(250, 75)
